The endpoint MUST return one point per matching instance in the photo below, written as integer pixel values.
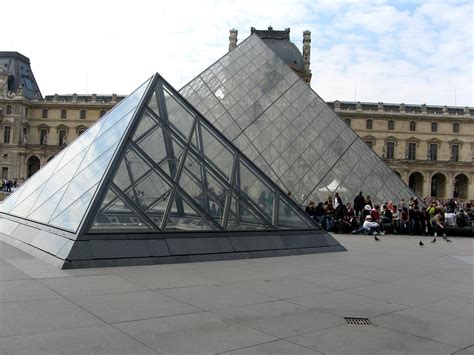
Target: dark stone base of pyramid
(146, 249)
(104, 250)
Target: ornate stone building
(35, 128)
(430, 147)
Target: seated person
(461, 219)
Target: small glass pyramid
(151, 168)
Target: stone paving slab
(420, 301)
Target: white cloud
(395, 51)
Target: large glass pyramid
(287, 130)
(146, 178)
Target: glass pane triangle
(150, 195)
(242, 217)
(153, 104)
(178, 116)
(183, 217)
(251, 185)
(131, 168)
(73, 215)
(205, 189)
(116, 215)
(162, 148)
(216, 151)
(289, 218)
(145, 124)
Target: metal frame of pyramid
(154, 182)
(287, 130)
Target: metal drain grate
(358, 321)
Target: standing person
(425, 221)
(438, 223)
(415, 219)
(359, 203)
(337, 200)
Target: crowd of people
(7, 185)
(428, 217)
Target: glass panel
(117, 216)
(153, 104)
(253, 187)
(289, 218)
(148, 191)
(83, 181)
(178, 115)
(131, 169)
(145, 124)
(184, 218)
(23, 208)
(43, 213)
(127, 105)
(163, 149)
(106, 141)
(204, 188)
(72, 216)
(216, 151)
(242, 217)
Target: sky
(410, 51)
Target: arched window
(45, 113)
(9, 110)
(63, 114)
(368, 124)
(391, 125)
(455, 127)
(412, 126)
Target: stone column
(427, 184)
(233, 38)
(307, 55)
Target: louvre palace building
(430, 147)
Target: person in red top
(376, 217)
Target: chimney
(233, 38)
(307, 55)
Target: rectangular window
(411, 151)
(43, 136)
(6, 134)
(390, 150)
(348, 121)
(80, 132)
(63, 114)
(433, 152)
(369, 143)
(455, 152)
(83, 114)
(368, 124)
(391, 125)
(4, 173)
(434, 127)
(45, 113)
(412, 126)
(62, 137)
(455, 127)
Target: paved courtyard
(419, 300)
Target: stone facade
(430, 147)
(33, 130)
